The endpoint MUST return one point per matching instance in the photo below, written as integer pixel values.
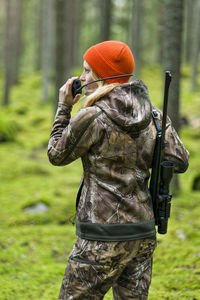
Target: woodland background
(42, 43)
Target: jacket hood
(128, 105)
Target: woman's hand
(65, 93)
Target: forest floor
(34, 247)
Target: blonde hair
(103, 89)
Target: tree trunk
(189, 28)
(12, 45)
(2, 32)
(196, 48)
(17, 38)
(60, 48)
(38, 34)
(172, 58)
(160, 15)
(137, 7)
(48, 34)
(65, 12)
(78, 33)
(69, 37)
(8, 64)
(105, 19)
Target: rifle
(162, 170)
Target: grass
(34, 247)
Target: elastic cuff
(115, 232)
(68, 106)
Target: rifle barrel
(168, 78)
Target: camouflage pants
(95, 266)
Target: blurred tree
(32, 36)
(172, 59)
(189, 28)
(2, 30)
(60, 46)
(12, 45)
(105, 19)
(48, 42)
(137, 7)
(78, 32)
(38, 33)
(17, 26)
(65, 26)
(196, 48)
(160, 26)
(121, 18)
(70, 24)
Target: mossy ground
(34, 247)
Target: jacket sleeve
(175, 150)
(71, 138)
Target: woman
(115, 137)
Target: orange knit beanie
(111, 58)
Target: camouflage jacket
(115, 139)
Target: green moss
(8, 129)
(34, 247)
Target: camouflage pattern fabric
(94, 267)
(116, 151)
